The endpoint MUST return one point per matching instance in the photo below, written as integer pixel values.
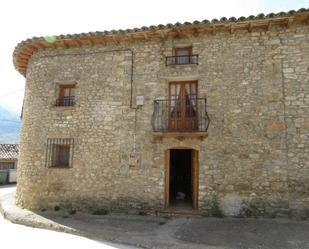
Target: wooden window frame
(57, 156)
(54, 150)
(194, 177)
(180, 121)
(179, 58)
(61, 95)
(188, 48)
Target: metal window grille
(59, 152)
(181, 60)
(66, 101)
(180, 115)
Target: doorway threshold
(180, 211)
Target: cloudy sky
(20, 19)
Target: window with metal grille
(182, 56)
(66, 95)
(59, 152)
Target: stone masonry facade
(256, 155)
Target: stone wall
(255, 157)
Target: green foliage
(100, 211)
(50, 39)
(143, 213)
(56, 208)
(72, 211)
(215, 208)
(3, 177)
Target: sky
(20, 20)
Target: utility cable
(9, 120)
(11, 93)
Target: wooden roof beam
(162, 34)
(101, 40)
(307, 20)
(27, 50)
(23, 61)
(25, 53)
(290, 21)
(91, 41)
(145, 36)
(232, 28)
(24, 56)
(39, 45)
(33, 48)
(65, 44)
(195, 32)
(249, 27)
(77, 42)
(130, 36)
(85, 42)
(114, 40)
(269, 24)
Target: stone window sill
(63, 107)
(180, 135)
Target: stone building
(119, 119)
(8, 162)
(8, 156)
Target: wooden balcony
(180, 118)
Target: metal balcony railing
(181, 60)
(180, 115)
(65, 102)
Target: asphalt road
(18, 236)
(153, 232)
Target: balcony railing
(180, 115)
(65, 102)
(181, 60)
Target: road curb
(25, 217)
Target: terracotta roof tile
(21, 64)
(8, 151)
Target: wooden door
(194, 177)
(183, 106)
(167, 178)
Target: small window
(59, 152)
(7, 165)
(66, 95)
(183, 55)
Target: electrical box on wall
(140, 100)
(134, 160)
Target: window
(7, 165)
(66, 95)
(183, 106)
(59, 153)
(183, 55)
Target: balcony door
(183, 111)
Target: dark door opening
(180, 184)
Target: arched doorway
(181, 178)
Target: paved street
(147, 231)
(18, 236)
